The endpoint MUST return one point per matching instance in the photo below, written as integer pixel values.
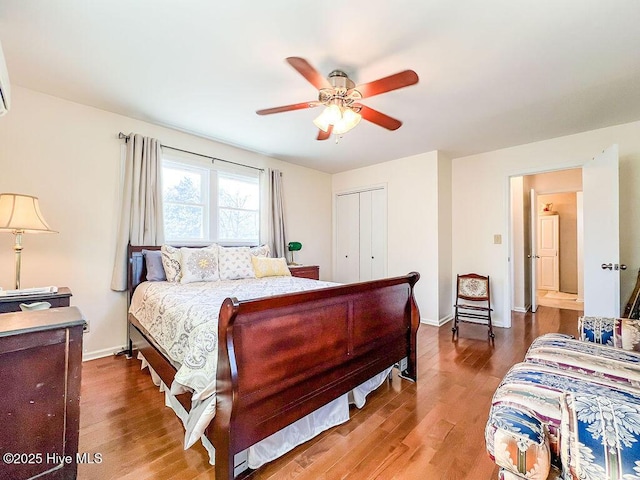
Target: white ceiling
(493, 73)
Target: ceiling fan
(341, 97)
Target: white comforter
(183, 319)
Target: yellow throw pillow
(270, 267)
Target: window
(203, 204)
(238, 208)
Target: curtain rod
(124, 137)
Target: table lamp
(21, 214)
(294, 247)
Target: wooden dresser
(305, 271)
(40, 367)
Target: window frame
(212, 207)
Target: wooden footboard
(282, 357)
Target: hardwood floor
(433, 429)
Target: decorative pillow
(199, 264)
(153, 262)
(270, 267)
(171, 262)
(520, 444)
(235, 262)
(261, 251)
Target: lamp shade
(294, 246)
(21, 213)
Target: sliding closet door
(347, 238)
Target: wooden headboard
(137, 270)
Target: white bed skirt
(281, 442)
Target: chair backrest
(472, 286)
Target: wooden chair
(473, 301)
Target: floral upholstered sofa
(571, 409)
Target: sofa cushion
(600, 437)
(566, 353)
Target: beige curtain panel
(141, 209)
(276, 212)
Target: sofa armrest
(517, 441)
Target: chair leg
(454, 329)
(491, 334)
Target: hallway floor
(559, 300)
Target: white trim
(105, 352)
(436, 323)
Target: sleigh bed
(281, 357)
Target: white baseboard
(105, 352)
(520, 310)
(436, 323)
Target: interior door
(533, 241)
(347, 238)
(548, 250)
(601, 240)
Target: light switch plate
(497, 239)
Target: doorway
(546, 238)
(559, 282)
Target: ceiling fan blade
(387, 84)
(378, 118)
(322, 135)
(288, 108)
(307, 71)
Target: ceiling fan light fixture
(349, 120)
(329, 116)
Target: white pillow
(235, 262)
(260, 251)
(199, 264)
(171, 262)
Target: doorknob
(606, 266)
(621, 266)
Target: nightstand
(305, 271)
(59, 299)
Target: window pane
(181, 185)
(238, 225)
(183, 222)
(238, 193)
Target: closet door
(373, 235)
(378, 234)
(347, 238)
(366, 253)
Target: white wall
(68, 155)
(480, 185)
(413, 198)
(445, 276)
